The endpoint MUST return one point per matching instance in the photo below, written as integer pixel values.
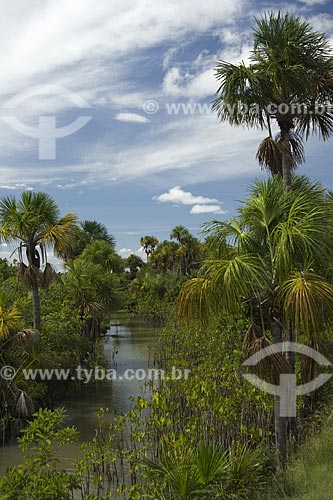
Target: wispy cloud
(16, 186)
(314, 2)
(131, 117)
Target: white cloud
(131, 117)
(125, 252)
(200, 204)
(16, 186)
(200, 85)
(185, 149)
(178, 196)
(196, 79)
(313, 2)
(206, 209)
(322, 22)
(43, 37)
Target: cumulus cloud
(178, 196)
(131, 117)
(200, 204)
(206, 209)
(125, 252)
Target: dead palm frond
(46, 276)
(28, 275)
(272, 366)
(25, 338)
(271, 153)
(25, 406)
(308, 364)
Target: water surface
(127, 345)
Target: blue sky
(134, 166)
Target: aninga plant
(288, 83)
(34, 222)
(275, 256)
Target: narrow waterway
(127, 345)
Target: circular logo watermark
(287, 390)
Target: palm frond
(46, 276)
(307, 300)
(271, 367)
(196, 300)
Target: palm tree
(289, 82)
(274, 257)
(85, 233)
(164, 256)
(91, 291)
(34, 221)
(182, 235)
(102, 252)
(134, 263)
(10, 317)
(148, 244)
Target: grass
(309, 475)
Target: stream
(126, 345)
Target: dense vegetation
(263, 277)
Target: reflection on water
(127, 346)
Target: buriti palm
(34, 223)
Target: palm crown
(289, 81)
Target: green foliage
(207, 471)
(275, 256)
(38, 478)
(152, 295)
(84, 234)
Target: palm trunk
(280, 423)
(36, 307)
(286, 164)
(290, 356)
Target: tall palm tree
(275, 257)
(148, 243)
(34, 222)
(181, 234)
(288, 82)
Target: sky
(128, 85)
